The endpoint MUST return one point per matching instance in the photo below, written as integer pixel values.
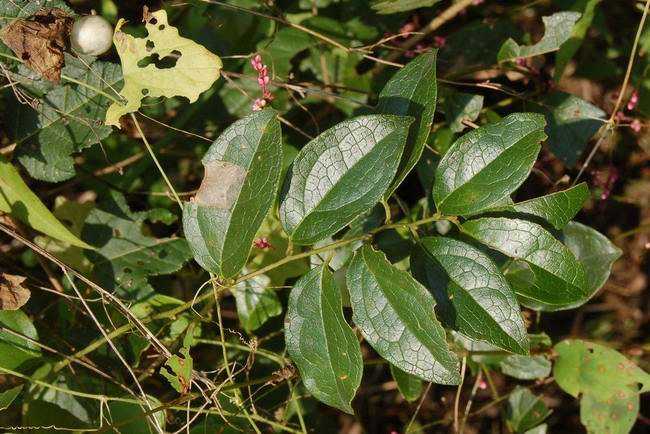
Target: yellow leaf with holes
(162, 64)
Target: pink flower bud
(634, 100)
(636, 125)
(439, 41)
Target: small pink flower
(259, 104)
(262, 243)
(482, 385)
(439, 41)
(477, 2)
(520, 61)
(634, 100)
(256, 62)
(636, 125)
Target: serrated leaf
(396, 316)
(558, 28)
(525, 410)
(14, 350)
(607, 382)
(594, 251)
(124, 255)
(572, 122)
(487, 164)
(66, 120)
(20, 202)
(340, 175)
(256, 302)
(526, 367)
(320, 341)
(412, 91)
(386, 7)
(469, 290)
(459, 107)
(194, 71)
(545, 275)
(570, 47)
(409, 385)
(8, 396)
(242, 175)
(557, 208)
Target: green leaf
(195, 68)
(409, 385)
(608, 384)
(386, 7)
(594, 251)
(460, 106)
(570, 47)
(14, 351)
(572, 122)
(545, 274)
(340, 175)
(285, 45)
(256, 302)
(412, 91)
(396, 316)
(242, 175)
(469, 290)
(487, 164)
(539, 429)
(67, 120)
(556, 208)
(18, 200)
(321, 342)
(124, 255)
(8, 396)
(178, 371)
(525, 410)
(558, 30)
(526, 367)
(128, 418)
(25, 8)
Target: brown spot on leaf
(221, 184)
(12, 294)
(40, 40)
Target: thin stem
(460, 388)
(417, 410)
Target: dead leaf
(12, 294)
(40, 40)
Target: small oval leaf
(321, 342)
(396, 317)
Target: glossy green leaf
(545, 275)
(558, 30)
(487, 164)
(409, 385)
(572, 122)
(525, 410)
(526, 367)
(472, 295)
(594, 251)
(396, 316)
(14, 351)
(386, 7)
(256, 302)
(412, 91)
(320, 341)
(20, 202)
(8, 396)
(570, 47)
(556, 208)
(459, 107)
(67, 120)
(340, 175)
(125, 256)
(607, 382)
(242, 174)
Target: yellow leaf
(193, 72)
(13, 295)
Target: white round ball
(91, 35)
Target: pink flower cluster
(635, 124)
(263, 80)
(262, 243)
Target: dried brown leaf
(40, 40)
(12, 294)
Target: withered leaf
(12, 294)
(39, 41)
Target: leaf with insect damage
(13, 295)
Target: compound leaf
(396, 316)
(485, 165)
(472, 295)
(242, 175)
(341, 174)
(321, 342)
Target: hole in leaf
(161, 27)
(166, 62)
(153, 21)
(145, 91)
(128, 270)
(149, 45)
